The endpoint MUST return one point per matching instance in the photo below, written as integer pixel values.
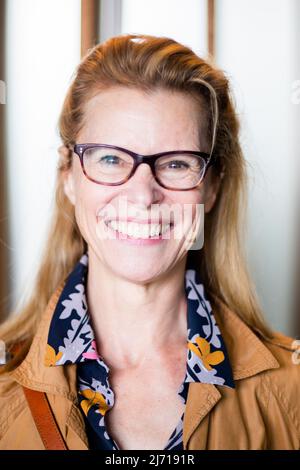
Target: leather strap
(44, 420)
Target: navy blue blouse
(71, 339)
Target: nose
(142, 188)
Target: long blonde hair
(147, 62)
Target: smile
(137, 230)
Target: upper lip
(139, 221)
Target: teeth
(155, 230)
(136, 230)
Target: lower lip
(140, 241)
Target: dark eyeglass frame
(79, 149)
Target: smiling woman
(137, 337)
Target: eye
(109, 159)
(178, 164)
(174, 165)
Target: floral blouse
(71, 340)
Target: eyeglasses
(111, 166)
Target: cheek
(188, 206)
(90, 198)
(190, 199)
(199, 196)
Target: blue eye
(174, 165)
(110, 159)
(177, 164)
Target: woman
(138, 336)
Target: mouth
(135, 230)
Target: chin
(135, 271)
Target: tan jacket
(262, 412)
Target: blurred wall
(256, 44)
(184, 21)
(43, 44)
(4, 247)
(296, 131)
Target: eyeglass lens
(107, 165)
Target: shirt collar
(71, 338)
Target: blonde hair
(147, 62)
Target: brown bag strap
(44, 420)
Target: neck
(136, 322)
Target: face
(145, 124)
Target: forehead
(159, 115)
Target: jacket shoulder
(12, 401)
(283, 383)
(286, 351)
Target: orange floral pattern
(51, 358)
(93, 398)
(202, 350)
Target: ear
(67, 175)
(212, 186)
